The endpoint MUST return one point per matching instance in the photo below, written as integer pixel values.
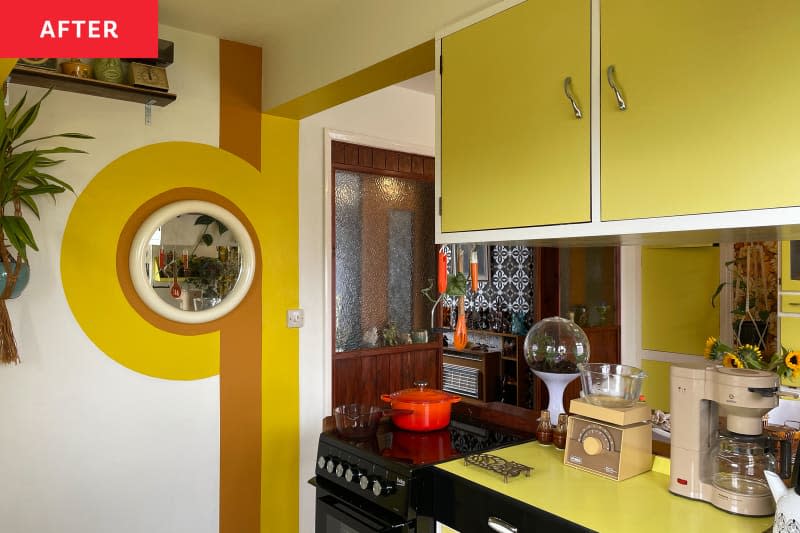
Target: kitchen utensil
(473, 270)
(612, 442)
(429, 408)
(441, 274)
(740, 463)
(460, 334)
(610, 385)
(702, 465)
(357, 421)
(787, 501)
(175, 290)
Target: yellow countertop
(641, 503)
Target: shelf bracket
(148, 112)
(7, 99)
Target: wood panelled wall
(379, 161)
(362, 376)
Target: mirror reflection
(192, 261)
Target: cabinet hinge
(440, 64)
(440, 206)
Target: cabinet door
(513, 152)
(711, 124)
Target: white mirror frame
(141, 241)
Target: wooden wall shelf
(36, 77)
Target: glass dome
(557, 345)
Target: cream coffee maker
(723, 466)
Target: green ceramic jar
(108, 69)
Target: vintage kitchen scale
(615, 442)
(609, 431)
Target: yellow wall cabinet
(706, 127)
(513, 151)
(707, 139)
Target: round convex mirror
(192, 261)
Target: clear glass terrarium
(553, 349)
(556, 345)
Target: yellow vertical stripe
(5, 67)
(280, 349)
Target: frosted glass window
(384, 256)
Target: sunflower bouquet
(785, 363)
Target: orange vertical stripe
(240, 343)
(240, 100)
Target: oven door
(343, 513)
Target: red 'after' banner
(79, 28)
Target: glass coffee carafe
(740, 464)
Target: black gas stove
(377, 484)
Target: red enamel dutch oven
(420, 408)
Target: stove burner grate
(498, 464)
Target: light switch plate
(295, 318)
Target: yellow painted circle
(89, 253)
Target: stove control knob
(341, 468)
(366, 481)
(382, 487)
(322, 461)
(352, 474)
(330, 466)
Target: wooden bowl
(77, 69)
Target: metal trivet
(497, 464)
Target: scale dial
(596, 439)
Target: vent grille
(461, 380)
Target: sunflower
(792, 360)
(751, 356)
(715, 349)
(730, 360)
(710, 344)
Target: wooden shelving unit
(36, 77)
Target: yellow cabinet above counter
(505, 121)
(704, 150)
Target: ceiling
(308, 44)
(255, 22)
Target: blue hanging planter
(22, 279)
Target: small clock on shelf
(148, 76)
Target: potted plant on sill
(23, 176)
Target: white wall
(86, 445)
(394, 114)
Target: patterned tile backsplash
(510, 284)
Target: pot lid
(421, 394)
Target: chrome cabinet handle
(501, 526)
(620, 100)
(568, 91)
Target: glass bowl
(357, 421)
(611, 385)
(556, 345)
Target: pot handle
(386, 398)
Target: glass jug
(740, 464)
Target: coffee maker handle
(766, 392)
